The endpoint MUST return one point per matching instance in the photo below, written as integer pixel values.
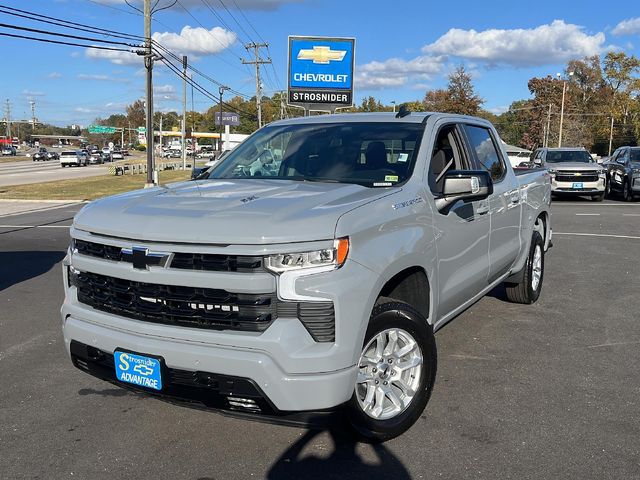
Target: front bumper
(294, 372)
(588, 188)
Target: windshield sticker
(403, 157)
(391, 178)
(382, 184)
(407, 203)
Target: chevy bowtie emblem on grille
(322, 55)
(142, 258)
(578, 174)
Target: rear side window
(486, 152)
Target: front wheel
(528, 289)
(598, 198)
(396, 372)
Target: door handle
(515, 198)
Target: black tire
(387, 314)
(598, 198)
(627, 193)
(523, 292)
(607, 187)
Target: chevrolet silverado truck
(573, 172)
(309, 270)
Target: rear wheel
(598, 198)
(396, 372)
(528, 289)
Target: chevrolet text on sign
(321, 72)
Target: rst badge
(321, 72)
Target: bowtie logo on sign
(322, 55)
(321, 72)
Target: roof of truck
(412, 117)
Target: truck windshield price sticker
(138, 370)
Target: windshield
(579, 156)
(369, 154)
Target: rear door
(463, 230)
(504, 204)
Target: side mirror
(464, 185)
(537, 161)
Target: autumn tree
(458, 97)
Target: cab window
(486, 153)
(447, 155)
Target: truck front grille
(575, 176)
(183, 261)
(176, 305)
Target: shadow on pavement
(17, 267)
(343, 462)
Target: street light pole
(221, 91)
(564, 88)
(393, 102)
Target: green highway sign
(142, 129)
(101, 129)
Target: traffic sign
(228, 118)
(142, 129)
(101, 129)
(321, 72)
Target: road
(543, 392)
(28, 171)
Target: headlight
(552, 171)
(602, 173)
(285, 262)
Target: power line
(45, 40)
(64, 23)
(64, 35)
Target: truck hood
(577, 166)
(233, 211)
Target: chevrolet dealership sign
(321, 72)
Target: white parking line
(596, 235)
(587, 214)
(631, 214)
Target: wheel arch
(410, 285)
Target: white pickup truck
(309, 270)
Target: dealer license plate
(578, 185)
(138, 370)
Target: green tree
(458, 97)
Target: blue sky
(402, 48)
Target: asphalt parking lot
(544, 391)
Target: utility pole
(282, 106)
(221, 91)
(257, 62)
(8, 118)
(148, 64)
(564, 87)
(546, 137)
(611, 136)
(184, 112)
(33, 114)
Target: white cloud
(158, 89)
(84, 110)
(117, 57)
(196, 41)
(554, 43)
(85, 76)
(33, 93)
(193, 42)
(630, 26)
(54, 75)
(396, 72)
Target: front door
(462, 231)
